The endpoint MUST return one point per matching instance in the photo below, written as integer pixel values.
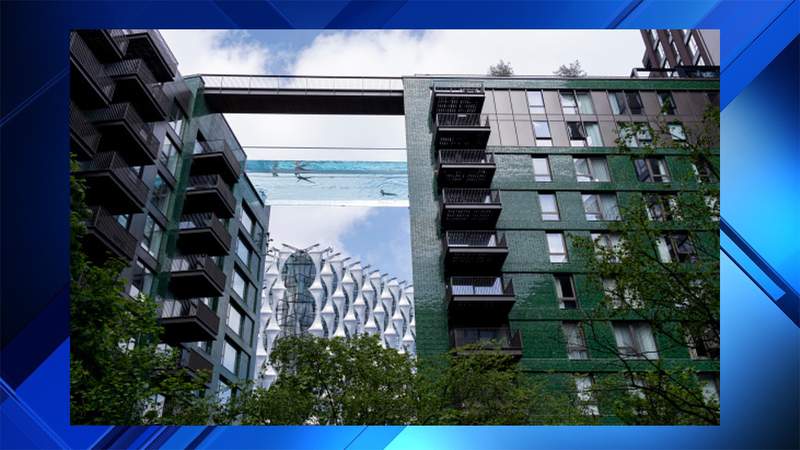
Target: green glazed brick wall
(536, 312)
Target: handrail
(114, 163)
(300, 83)
(466, 156)
(480, 286)
(481, 239)
(470, 196)
(462, 120)
(458, 87)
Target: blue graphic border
(760, 188)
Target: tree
(116, 370)
(501, 69)
(573, 70)
(678, 299)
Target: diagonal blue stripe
(43, 426)
(624, 13)
(38, 93)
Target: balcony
(459, 98)
(215, 157)
(124, 131)
(90, 86)
(474, 252)
(108, 45)
(196, 276)
(470, 208)
(209, 193)
(83, 136)
(485, 297)
(492, 339)
(105, 237)
(180, 92)
(194, 362)
(149, 46)
(187, 321)
(462, 131)
(466, 168)
(203, 233)
(112, 183)
(136, 85)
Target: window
(568, 103)
(549, 206)
(635, 134)
(592, 168)
(576, 133)
(161, 193)
(705, 345)
(244, 252)
(535, 102)
(661, 207)
(695, 50)
(153, 233)
(712, 203)
(230, 357)
(593, 137)
(247, 221)
(169, 156)
(576, 342)
(617, 100)
(676, 132)
(557, 247)
(635, 340)
(705, 172)
(652, 170)
(565, 291)
(676, 247)
(634, 102)
(607, 244)
(627, 297)
(542, 131)
(666, 102)
(600, 207)
(234, 319)
(239, 285)
(588, 404)
(585, 103)
(124, 220)
(141, 281)
(177, 119)
(541, 169)
(709, 383)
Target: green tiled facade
(536, 313)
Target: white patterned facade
(319, 292)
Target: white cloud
(217, 51)
(302, 226)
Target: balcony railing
(179, 91)
(453, 120)
(187, 320)
(126, 114)
(90, 67)
(460, 87)
(113, 164)
(193, 361)
(466, 157)
(499, 338)
(138, 69)
(189, 265)
(480, 287)
(150, 46)
(112, 235)
(471, 196)
(217, 147)
(475, 239)
(83, 134)
(199, 183)
(204, 221)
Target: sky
(374, 234)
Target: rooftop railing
(458, 87)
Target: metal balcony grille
(202, 182)
(465, 157)
(471, 196)
(203, 263)
(158, 42)
(481, 286)
(139, 69)
(119, 168)
(480, 239)
(206, 220)
(82, 129)
(92, 68)
(217, 146)
(125, 112)
(452, 120)
(474, 335)
(461, 87)
(106, 225)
